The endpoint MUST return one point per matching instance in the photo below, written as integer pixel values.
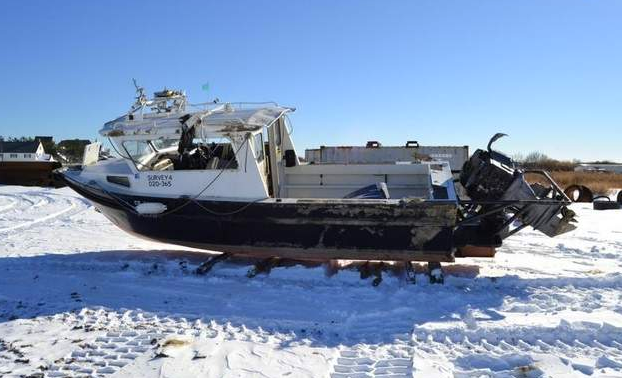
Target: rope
(192, 199)
(244, 207)
(119, 201)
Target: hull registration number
(160, 181)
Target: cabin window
(163, 144)
(119, 180)
(198, 154)
(27, 156)
(13, 156)
(277, 133)
(209, 153)
(286, 127)
(258, 147)
(140, 152)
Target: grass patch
(600, 183)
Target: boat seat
(212, 163)
(163, 165)
(378, 190)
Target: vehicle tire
(606, 205)
(579, 193)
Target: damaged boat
(226, 177)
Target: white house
(22, 151)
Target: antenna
(141, 98)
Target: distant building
(614, 168)
(22, 151)
(26, 163)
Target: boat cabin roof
(225, 119)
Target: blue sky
(549, 73)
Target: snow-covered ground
(78, 297)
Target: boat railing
(239, 105)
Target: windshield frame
(158, 149)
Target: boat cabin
(245, 151)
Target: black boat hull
(304, 230)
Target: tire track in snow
(559, 298)
(499, 346)
(17, 198)
(32, 208)
(392, 361)
(380, 353)
(125, 337)
(11, 203)
(38, 220)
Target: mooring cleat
(207, 266)
(436, 273)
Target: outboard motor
(500, 195)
